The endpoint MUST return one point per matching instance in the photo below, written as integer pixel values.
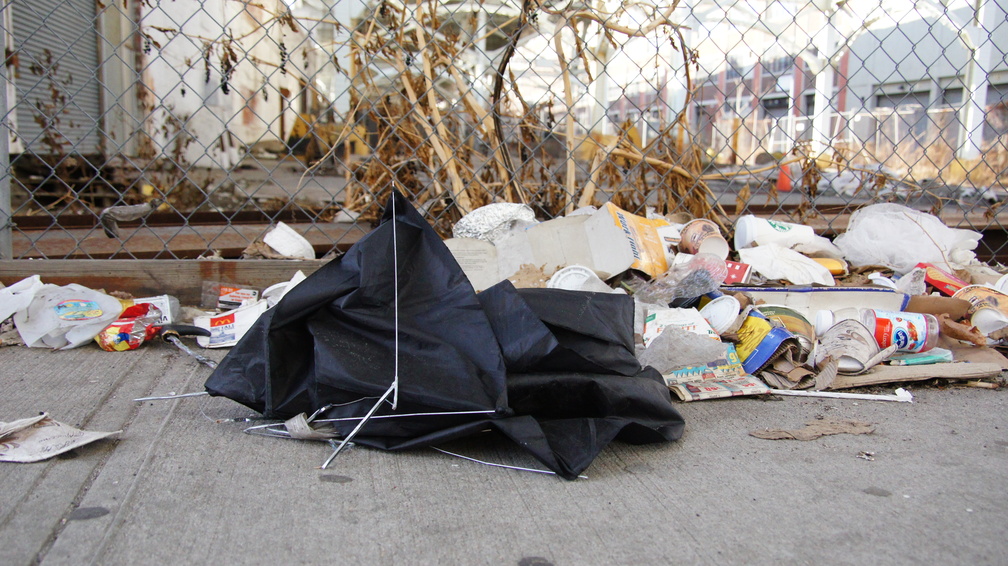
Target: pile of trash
(566, 334)
(788, 310)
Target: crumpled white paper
(288, 242)
(777, 262)
(39, 438)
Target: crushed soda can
(135, 325)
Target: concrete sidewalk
(178, 487)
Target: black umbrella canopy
(342, 336)
(332, 339)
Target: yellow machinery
(311, 139)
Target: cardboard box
(808, 299)
(738, 272)
(593, 241)
(956, 309)
(946, 283)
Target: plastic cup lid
(721, 313)
(577, 278)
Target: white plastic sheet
(65, 317)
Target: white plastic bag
(899, 237)
(65, 317)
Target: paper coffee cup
(753, 231)
(703, 236)
(980, 296)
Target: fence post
(6, 224)
(826, 43)
(975, 94)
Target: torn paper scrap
(287, 242)
(18, 296)
(815, 429)
(38, 438)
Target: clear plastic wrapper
(676, 348)
(135, 325)
(702, 274)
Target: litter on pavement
(565, 334)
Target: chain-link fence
(187, 128)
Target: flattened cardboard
(815, 429)
(956, 309)
(478, 260)
(974, 354)
(897, 374)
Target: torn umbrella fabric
(562, 391)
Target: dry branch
(459, 192)
(569, 117)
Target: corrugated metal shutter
(66, 30)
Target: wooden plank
(173, 218)
(138, 277)
(178, 242)
(207, 232)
